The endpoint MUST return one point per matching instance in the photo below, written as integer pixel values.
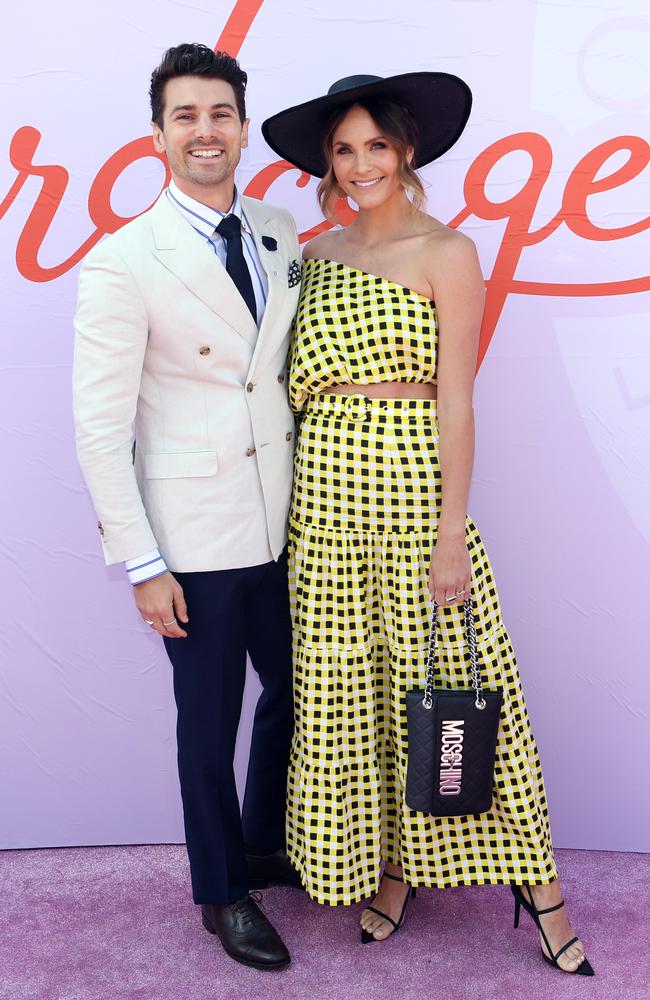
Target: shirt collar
(202, 217)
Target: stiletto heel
(366, 937)
(584, 969)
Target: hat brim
(439, 102)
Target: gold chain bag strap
(452, 737)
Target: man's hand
(162, 605)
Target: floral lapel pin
(295, 273)
(269, 243)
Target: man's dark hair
(193, 59)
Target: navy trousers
(232, 612)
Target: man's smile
(206, 154)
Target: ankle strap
(550, 909)
(393, 877)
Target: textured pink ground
(117, 922)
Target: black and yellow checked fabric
(367, 493)
(358, 327)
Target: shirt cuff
(145, 567)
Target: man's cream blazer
(170, 368)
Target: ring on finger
(172, 622)
(147, 622)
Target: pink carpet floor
(117, 923)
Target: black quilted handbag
(452, 738)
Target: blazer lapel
(270, 332)
(186, 254)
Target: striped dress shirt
(204, 221)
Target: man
(184, 436)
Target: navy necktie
(230, 229)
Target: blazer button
(289, 435)
(250, 452)
(281, 377)
(100, 527)
(250, 387)
(204, 351)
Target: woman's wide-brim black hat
(440, 103)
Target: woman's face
(365, 163)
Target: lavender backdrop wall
(561, 484)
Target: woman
(383, 363)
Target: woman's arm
(459, 295)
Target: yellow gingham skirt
(366, 499)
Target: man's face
(201, 134)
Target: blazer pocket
(180, 464)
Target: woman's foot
(556, 925)
(390, 899)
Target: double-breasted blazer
(183, 429)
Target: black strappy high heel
(584, 969)
(366, 937)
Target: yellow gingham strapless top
(352, 326)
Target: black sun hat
(440, 103)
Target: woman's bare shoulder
(321, 246)
(436, 234)
(441, 240)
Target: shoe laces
(248, 913)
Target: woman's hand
(450, 574)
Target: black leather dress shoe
(246, 934)
(271, 869)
